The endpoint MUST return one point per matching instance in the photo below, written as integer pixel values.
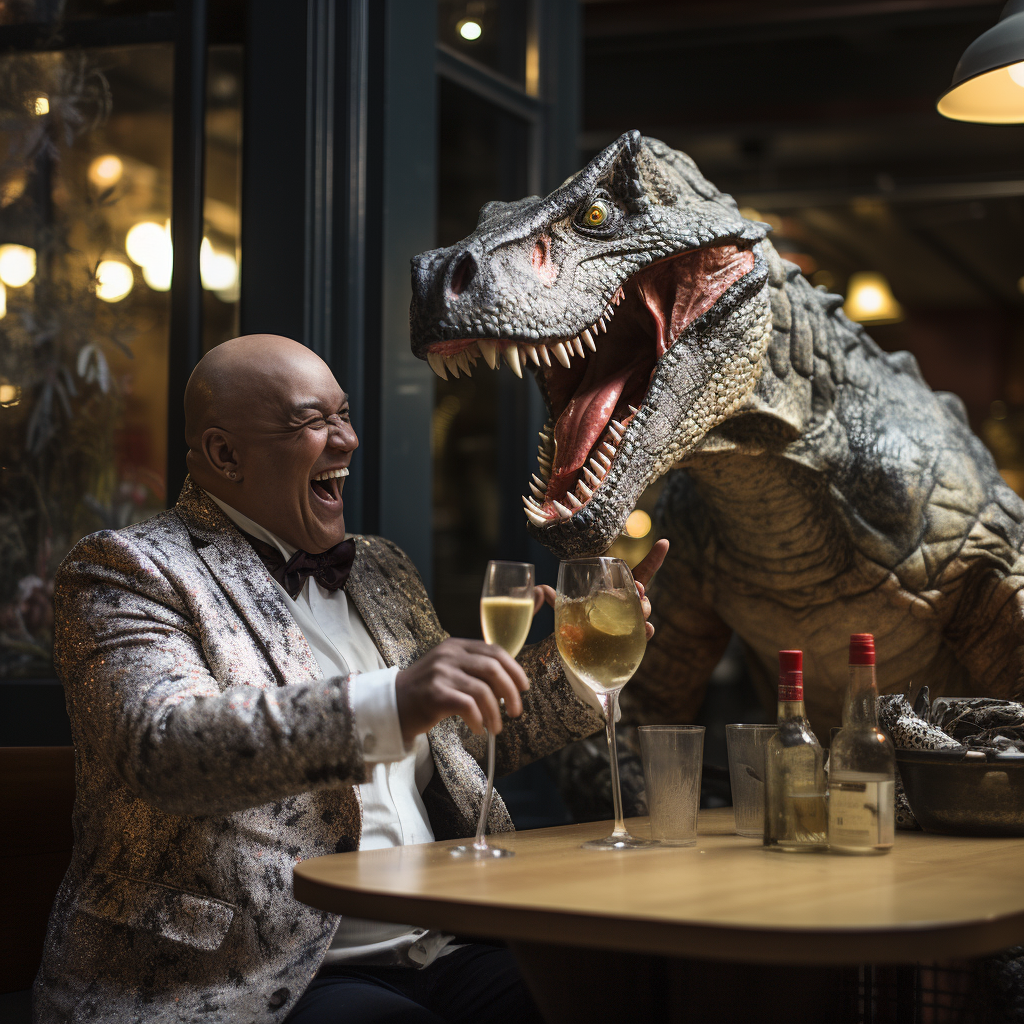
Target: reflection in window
(85, 266)
(495, 33)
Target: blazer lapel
(247, 584)
(374, 598)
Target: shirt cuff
(375, 714)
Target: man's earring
(232, 475)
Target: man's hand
(641, 576)
(459, 677)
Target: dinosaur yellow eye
(597, 214)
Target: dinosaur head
(637, 295)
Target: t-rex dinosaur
(818, 486)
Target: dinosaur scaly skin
(819, 486)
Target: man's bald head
(230, 377)
(269, 433)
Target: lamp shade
(987, 87)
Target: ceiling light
(114, 280)
(17, 265)
(105, 171)
(40, 106)
(988, 83)
(469, 29)
(869, 300)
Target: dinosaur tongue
(593, 405)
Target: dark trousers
(477, 984)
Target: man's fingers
(650, 630)
(543, 594)
(484, 698)
(652, 563)
(508, 663)
(456, 702)
(493, 674)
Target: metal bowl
(964, 794)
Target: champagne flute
(506, 611)
(601, 637)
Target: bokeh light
(40, 106)
(469, 29)
(114, 280)
(638, 524)
(17, 265)
(106, 170)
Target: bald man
(249, 687)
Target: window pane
(495, 33)
(482, 156)
(85, 205)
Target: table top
(726, 898)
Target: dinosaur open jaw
(598, 380)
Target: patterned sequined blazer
(212, 756)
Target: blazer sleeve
(141, 694)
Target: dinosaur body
(818, 486)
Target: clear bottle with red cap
(862, 764)
(795, 816)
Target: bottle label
(790, 691)
(860, 810)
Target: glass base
(473, 852)
(614, 842)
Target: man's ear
(220, 454)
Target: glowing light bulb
(869, 299)
(10, 394)
(638, 524)
(148, 244)
(114, 280)
(158, 275)
(105, 171)
(1016, 72)
(217, 270)
(17, 265)
(469, 29)
(3, 301)
(40, 106)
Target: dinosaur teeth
(463, 360)
(531, 503)
(578, 347)
(436, 361)
(609, 449)
(619, 427)
(573, 500)
(589, 339)
(511, 356)
(536, 518)
(544, 357)
(560, 354)
(594, 481)
(537, 480)
(604, 460)
(453, 365)
(584, 490)
(489, 350)
(633, 409)
(616, 436)
(599, 470)
(601, 324)
(562, 510)
(531, 351)
(537, 492)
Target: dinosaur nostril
(465, 271)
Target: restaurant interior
(310, 150)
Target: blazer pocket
(173, 914)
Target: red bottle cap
(862, 649)
(791, 675)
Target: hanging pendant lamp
(988, 84)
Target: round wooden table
(724, 899)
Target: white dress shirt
(393, 810)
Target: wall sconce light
(988, 83)
(869, 300)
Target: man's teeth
(516, 353)
(331, 474)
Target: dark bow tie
(330, 568)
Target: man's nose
(343, 436)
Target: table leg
(589, 986)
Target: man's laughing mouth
(327, 486)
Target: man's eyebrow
(304, 405)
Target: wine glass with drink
(506, 611)
(601, 636)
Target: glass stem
(481, 826)
(610, 703)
